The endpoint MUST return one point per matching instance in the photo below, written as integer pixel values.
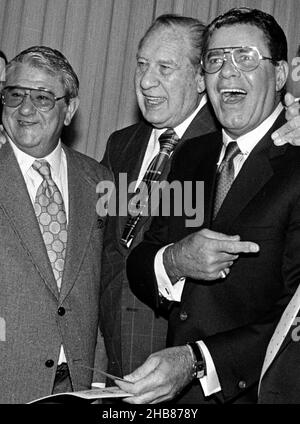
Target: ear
(71, 109)
(282, 70)
(200, 82)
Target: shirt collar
(248, 141)
(181, 128)
(25, 161)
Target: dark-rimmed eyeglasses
(244, 58)
(43, 100)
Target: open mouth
(25, 123)
(232, 95)
(154, 101)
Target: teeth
(25, 123)
(232, 90)
(154, 100)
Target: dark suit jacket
(35, 318)
(132, 331)
(235, 317)
(281, 383)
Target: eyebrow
(161, 61)
(30, 88)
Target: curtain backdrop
(100, 38)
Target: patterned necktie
(282, 329)
(225, 176)
(51, 215)
(168, 140)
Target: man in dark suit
(51, 236)
(220, 328)
(169, 91)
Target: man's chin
(155, 117)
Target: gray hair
(51, 61)
(193, 27)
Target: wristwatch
(199, 368)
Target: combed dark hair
(51, 61)
(194, 28)
(275, 37)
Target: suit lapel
(244, 188)
(288, 339)
(134, 152)
(17, 206)
(82, 204)
(255, 173)
(203, 123)
(130, 163)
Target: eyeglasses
(244, 58)
(43, 100)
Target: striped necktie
(168, 140)
(225, 175)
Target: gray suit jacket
(35, 318)
(132, 330)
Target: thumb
(141, 372)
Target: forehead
(27, 76)
(239, 35)
(166, 44)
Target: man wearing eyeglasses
(169, 92)
(219, 329)
(51, 236)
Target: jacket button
(61, 311)
(242, 384)
(100, 223)
(49, 363)
(183, 316)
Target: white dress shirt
(59, 172)
(210, 383)
(153, 144)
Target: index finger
(236, 247)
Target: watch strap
(199, 369)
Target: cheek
(177, 94)
(7, 119)
(137, 85)
(140, 97)
(210, 83)
(263, 91)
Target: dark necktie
(168, 140)
(225, 175)
(51, 215)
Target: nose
(26, 107)
(229, 69)
(149, 78)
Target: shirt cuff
(210, 382)
(165, 287)
(98, 385)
